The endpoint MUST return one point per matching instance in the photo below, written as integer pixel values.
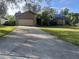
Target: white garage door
(25, 22)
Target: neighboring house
(59, 19)
(25, 19)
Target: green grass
(5, 30)
(69, 34)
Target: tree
(3, 9)
(73, 18)
(65, 11)
(48, 14)
(30, 4)
(32, 7)
(39, 19)
(10, 20)
(34, 3)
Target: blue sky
(73, 5)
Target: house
(27, 18)
(59, 19)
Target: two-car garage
(25, 22)
(26, 19)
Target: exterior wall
(61, 22)
(64, 22)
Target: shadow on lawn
(3, 32)
(3, 26)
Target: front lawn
(5, 30)
(69, 34)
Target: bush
(10, 23)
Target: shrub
(10, 21)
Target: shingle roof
(59, 16)
(19, 13)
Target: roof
(25, 15)
(29, 11)
(19, 13)
(59, 16)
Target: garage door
(25, 22)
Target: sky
(72, 5)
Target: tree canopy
(3, 9)
(65, 11)
(30, 4)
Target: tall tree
(3, 9)
(65, 11)
(48, 14)
(18, 2)
(33, 7)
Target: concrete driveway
(31, 43)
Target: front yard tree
(47, 15)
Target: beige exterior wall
(27, 22)
(61, 22)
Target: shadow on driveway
(31, 43)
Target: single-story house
(27, 18)
(59, 19)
